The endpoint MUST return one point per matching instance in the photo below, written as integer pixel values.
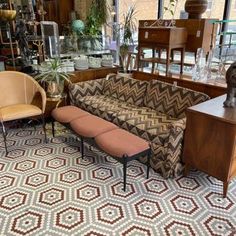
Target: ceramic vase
(195, 8)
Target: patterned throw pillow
(171, 100)
(126, 89)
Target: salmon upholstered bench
(116, 142)
(88, 127)
(66, 114)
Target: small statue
(231, 86)
(21, 37)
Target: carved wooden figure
(231, 86)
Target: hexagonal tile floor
(47, 189)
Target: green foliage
(96, 18)
(170, 7)
(129, 26)
(52, 71)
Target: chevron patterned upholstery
(126, 89)
(171, 100)
(86, 88)
(161, 121)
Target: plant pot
(195, 8)
(55, 90)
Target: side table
(210, 140)
(55, 102)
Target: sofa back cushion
(171, 100)
(85, 88)
(126, 89)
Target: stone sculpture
(231, 86)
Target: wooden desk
(210, 138)
(159, 38)
(201, 33)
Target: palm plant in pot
(53, 76)
(128, 27)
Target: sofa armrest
(85, 88)
(174, 145)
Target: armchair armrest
(43, 97)
(86, 88)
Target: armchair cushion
(19, 111)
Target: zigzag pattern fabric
(145, 122)
(171, 100)
(126, 89)
(86, 88)
(120, 99)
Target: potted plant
(90, 36)
(127, 28)
(53, 77)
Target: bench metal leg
(124, 171)
(82, 147)
(148, 163)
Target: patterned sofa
(151, 109)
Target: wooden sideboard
(201, 32)
(159, 38)
(90, 74)
(212, 90)
(210, 140)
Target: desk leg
(182, 60)
(225, 188)
(153, 63)
(167, 60)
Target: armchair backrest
(19, 88)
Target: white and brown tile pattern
(47, 189)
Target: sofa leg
(82, 147)
(124, 171)
(4, 137)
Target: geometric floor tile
(51, 196)
(27, 223)
(110, 213)
(47, 189)
(12, 200)
(69, 218)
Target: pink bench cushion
(91, 126)
(68, 113)
(119, 142)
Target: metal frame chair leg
(82, 147)
(148, 163)
(4, 137)
(44, 128)
(124, 171)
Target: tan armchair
(18, 92)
